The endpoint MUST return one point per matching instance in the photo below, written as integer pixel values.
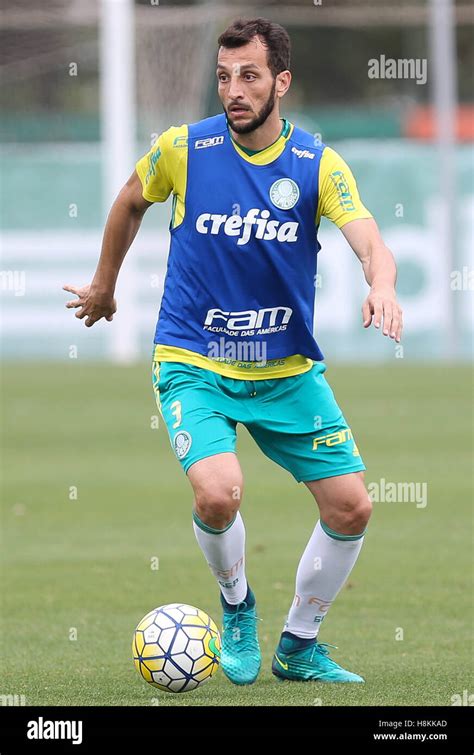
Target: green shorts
(294, 420)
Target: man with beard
(234, 340)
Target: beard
(259, 119)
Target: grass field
(85, 564)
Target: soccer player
(234, 340)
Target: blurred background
(88, 85)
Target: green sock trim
(338, 536)
(211, 530)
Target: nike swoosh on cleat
(283, 665)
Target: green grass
(86, 563)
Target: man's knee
(353, 513)
(217, 504)
(351, 508)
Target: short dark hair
(273, 36)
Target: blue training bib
(243, 262)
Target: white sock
(324, 567)
(225, 553)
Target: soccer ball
(176, 647)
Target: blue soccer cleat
(309, 663)
(240, 655)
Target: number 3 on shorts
(176, 412)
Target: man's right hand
(93, 304)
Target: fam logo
(248, 322)
(212, 141)
(182, 443)
(343, 191)
(284, 193)
(152, 160)
(333, 439)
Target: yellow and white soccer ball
(176, 647)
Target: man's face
(246, 86)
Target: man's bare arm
(380, 273)
(96, 300)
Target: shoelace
(245, 622)
(322, 649)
